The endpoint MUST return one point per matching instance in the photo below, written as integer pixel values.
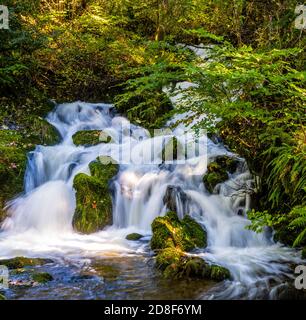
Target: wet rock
(215, 174)
(43, 132)
(42, 277)
(185, 234)
(228, 163)
(21, 262)
(172, 238)
(93, 198)
(133, 236)
(172, 194)
(90, 137)
(174, 263)
(218, 171)
(218, 273)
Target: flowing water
(40, 221)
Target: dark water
(107, 278)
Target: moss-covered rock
(21, 262)
(228, 163)
(215, 174)
(171, 238)
(42, 277)
(133, 236)
(93, 199)
(90, 137)
(42, 132)
(218, 273)
(174, 263)
(185, 234)
(217, 171)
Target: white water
(40, 221)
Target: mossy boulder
(174, 263)
(93, 198)
(21, 262)
(218, 171)
(42, 277)
(90, 137)
(42, 132)
(172, 238)
(133, 236)
(218, 273)
(228, 163)
(185, 234)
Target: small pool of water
(121, 278)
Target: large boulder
(172, 238)
(93, 198)
(169, 231)
(174, 263)
(90, 137)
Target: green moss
(90, 138)
(196, 234)
(93, 199)
(215, 174)
(2, 297)
(42, 277)
(42, 132)
(228, 163)
(14, 146)
(12, 166)
(21, 262)
(133, 236)
(304, 253)
(169, 231)
(175, 264)
(218, 273)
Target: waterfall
(40, 220)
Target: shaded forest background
(126, 51)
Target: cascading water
(40, 221)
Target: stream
(105, 265)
